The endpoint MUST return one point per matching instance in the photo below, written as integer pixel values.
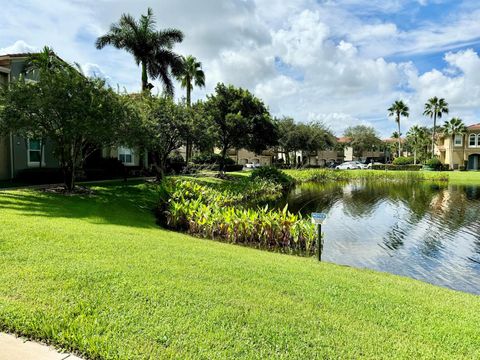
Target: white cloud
(336, 60)
(19, 47)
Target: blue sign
(318, 218)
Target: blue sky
(342, 62)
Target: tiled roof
(343, 139)
(474, 127)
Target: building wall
(461, 153)
(348, 153)
(243, 156)
(20, 155)
(113, 153)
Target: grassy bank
(458, 177)
(97, 276)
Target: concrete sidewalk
(14, 348)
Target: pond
(422, 230)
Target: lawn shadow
(118, 203)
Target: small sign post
(318, 219)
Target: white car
(361, 165)
(349, 165)
(251, 166)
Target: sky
(342, 62)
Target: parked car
(360, 164)
(349, 165)
(370, 165)
(251, 166)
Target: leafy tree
(240, 120)
(191, 74)
(78, 115)
(158, 127)
(287, 131)
(362, 138)
(435, 108)
(152, 49)
(453, 127)
(398, 109)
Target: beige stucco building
(463, 150)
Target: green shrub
(403, 160)
(435, 164)
(395, 167)
(272, 174)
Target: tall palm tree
(152, 49)
(191, 74)
(415, 138)
(434, 108)
(399, 109)
(454, 127)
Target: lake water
(421, 230)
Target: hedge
(397, 167)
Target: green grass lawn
(96, 275)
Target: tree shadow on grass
(114, 203)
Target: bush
(270, 173)
(435, 164)
(211, 158)
(403, 160)
(175, 163)
(105, 168)
(397, 167)
(223, 214)
(37, 176)
(234, 167)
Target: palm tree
(191, 74)
(399, 109)
(151, 49)
(434, 108)
(415, 136)
(451, 128)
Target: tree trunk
(399, 138)
(415, 156)
(451, 152)
(222, 160)
(69, 177)
(189, 101)
(433, 132)
(144, 76)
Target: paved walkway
(14, 348)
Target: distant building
(463, 151)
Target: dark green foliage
(37, 176)
(398, 167)
(211, 158)
(435, 164)
(240, 120)
(362, 138)
(76, 114)
(272, 174)
(403, 160)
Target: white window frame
(126, 151)
(42, 154)
(458, 136)
(476, 141)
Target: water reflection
(426, 231)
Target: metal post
(319, 242)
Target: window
(125, 155)
(34, 152)
(473, 140)
(458, 140)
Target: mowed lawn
(95, 275)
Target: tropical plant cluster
(274, 175)
(233, 214)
